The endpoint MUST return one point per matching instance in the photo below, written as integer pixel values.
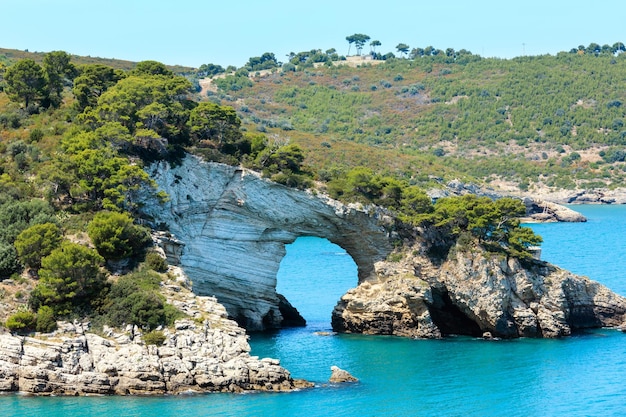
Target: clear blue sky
(228, 32)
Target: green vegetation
(76, 134)
(115, 236)
(22, 321)
(452, 114)
(135, 299)
(494, 224)
(37, 242)
(70, 279)
(74, 139)
(154, 337)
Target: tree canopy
(359, 40)
(26, 82)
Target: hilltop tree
(358, 39)
(266, 61)
(402, 48)
(210, 70)
(618, 48)
(373, 45)
(26, 82)
(92, 82)
(151, 68)
(58, 71)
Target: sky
(229, 32)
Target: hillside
(529, 123)
(76, 138)
(8, 56)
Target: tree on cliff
(70, 277)
(212, 121)
(115, 236)
(495, 224)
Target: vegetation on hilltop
(534, 121)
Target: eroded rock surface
(339, 376)
(204, 353)
(233, 226)
(473, 293)
(545, 211)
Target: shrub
(8, 261)
(115, 236)
(154, 337)
(37, 242)
(134, 299)
(22, 321)
(155, 262)
(46, 321)
(35, 135)
(69, 277)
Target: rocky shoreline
(478, 294)
(230, 239)
(206, 352)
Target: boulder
(339, 376)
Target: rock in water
(338, 376)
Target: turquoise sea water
(582, 375)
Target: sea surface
(583, 375)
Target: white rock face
(234, 226)
(205, 352)
(476, 293)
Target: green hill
(545, 121)
(76, 132)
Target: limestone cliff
(230, 228)
(204, 353)
(233, 226)
(473, 292)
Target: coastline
(204, 352)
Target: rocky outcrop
(537, 209)
(206, 352)
(476, 293)
(545, 211)
(230, 227)
(339, 376)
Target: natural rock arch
(234, 226)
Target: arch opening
(313, 275)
